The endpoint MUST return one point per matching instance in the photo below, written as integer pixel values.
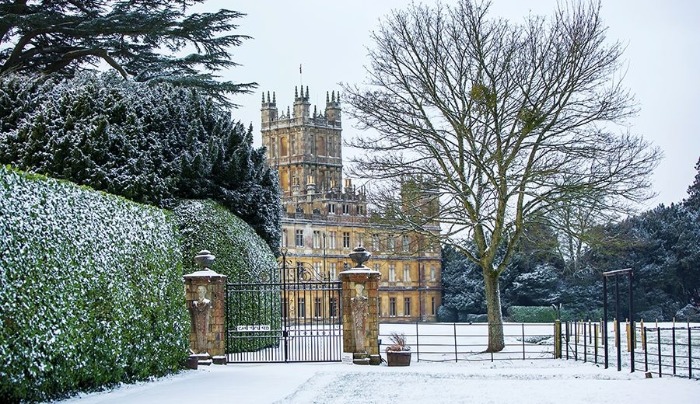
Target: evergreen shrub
(532, 314)
(91, 290)
(148, 142)
(241, 255)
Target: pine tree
(693, 200)
(146, 40)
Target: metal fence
(668, 349)
(455, 342)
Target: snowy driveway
(522, 382)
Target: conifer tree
(147, 40)
(693, 200)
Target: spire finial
(274, 101)
(327, 99)
(296, 92)
(307, 93)
(263, 97)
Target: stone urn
(360, 255)
(204, 259)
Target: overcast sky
(329, 39)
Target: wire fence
(455, 342)
(666, 349)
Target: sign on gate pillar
(205, 293)
(361, 309)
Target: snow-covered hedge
(149, 142)
(90, 289)
(241, 255)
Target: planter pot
(398, 358)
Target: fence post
(658, 346)
(577, 325)
(585, 342)
(454, 333)
(595, 342)
(523, 333)
(646, 351)
(557, 339)
(417, 344)
(566, 340)
(690, 350)
(673, 337)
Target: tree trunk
(493, 310)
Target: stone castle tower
(305, 147)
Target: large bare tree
(504, 122)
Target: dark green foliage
(693, 200)
(462, 285)
(146, 40)
(241, 255)
(149, 143)
(661, 246)
(90, 290)
(532, 314)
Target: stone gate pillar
(205, 293)
(361, 310)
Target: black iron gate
(293, 316)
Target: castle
(322, 222)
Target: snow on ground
(522, 382)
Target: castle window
(432, 273)
(301, 308)
(406, 306)
(299, 238)
(332, 271)
(392, 273)
(283, 147)
(346, 209)
(405, 242)
(285, 237)
(333, 306)
(317, 239)
(406, 273)
(375, 242)
(360, 210)
(317, 308)
(331, 240)
(391, 243)
(346, 239)
(392, 307)
(331, 208)
(317, 270)
(432, 305)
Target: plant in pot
(398, 353)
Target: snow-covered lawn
(521, 382)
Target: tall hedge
(90, 290)
(241, 255)
(148, 142)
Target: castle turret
(268, 110)
(333, 109)
(302, 105)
